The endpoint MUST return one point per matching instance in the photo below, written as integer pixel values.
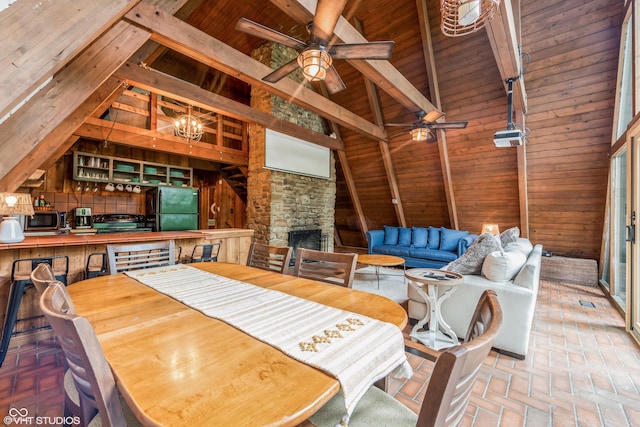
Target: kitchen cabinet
(98, 168)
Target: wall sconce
(490, 228)
(12, 204)
(314, 61)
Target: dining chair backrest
(205, 252)
(136, 256)
(330, 267)
(456, 368)
(267, 257)
(89, 368)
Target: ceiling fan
(421, 130)
(316, 55)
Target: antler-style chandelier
(462, 17)
(189, 127)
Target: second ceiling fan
(316, 55)
(421, 130)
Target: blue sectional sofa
(421, 247)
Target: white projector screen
(290, 154)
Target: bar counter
(234, 248)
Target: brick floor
(582, 369)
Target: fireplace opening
(308, 239)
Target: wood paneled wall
(571, 83)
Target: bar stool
(96, 265)
(20, 280)
(205, 252)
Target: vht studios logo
(21, 417)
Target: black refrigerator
(173, 208)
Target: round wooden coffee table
(380, 261)
(439, 335)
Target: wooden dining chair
(330, 267)
(89, 369)
(42, 276)
(136, 256)
(449, 387)
(267, 257)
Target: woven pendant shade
(462, 17)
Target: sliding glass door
(619, 229)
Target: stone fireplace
(280, 202)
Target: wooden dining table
(175, 366)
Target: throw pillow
(509, 236)
(404, 236)
(419, 237)
(521, 244)
(449, 239)
(390, 235)
(502, 266)
(471, 261)
(434, 238)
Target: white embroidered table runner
(355, 349)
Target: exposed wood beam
(374, 104)
(434, 89)
(39, 38)
(382, 73)
(48, 108)
(150, 140)
(183, 38)
(504, 37)
(180, 90)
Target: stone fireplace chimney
(280, 202)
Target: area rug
(392, 282)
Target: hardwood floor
(582, 369)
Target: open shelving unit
(99, 168)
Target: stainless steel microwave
(42, 221)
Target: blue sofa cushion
(395, 250)
(404, 236)
(449, 238)
(419, 237)
(434, 238)
(390, 235)
(433, 254)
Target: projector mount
(512, 137)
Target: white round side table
(426, 282)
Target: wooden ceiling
(462, 180)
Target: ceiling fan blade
(447, 125)
(253, 28)
(371, 50)
(325, 20)
(399, 124)
(281, 72)
(333, 81)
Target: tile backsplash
(117, 202)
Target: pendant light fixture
(462, 17)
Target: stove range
(120, 223)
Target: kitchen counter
(72, 239)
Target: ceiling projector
(508, 138)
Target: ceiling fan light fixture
(314, 62)
(420, 134)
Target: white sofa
(517, 298)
